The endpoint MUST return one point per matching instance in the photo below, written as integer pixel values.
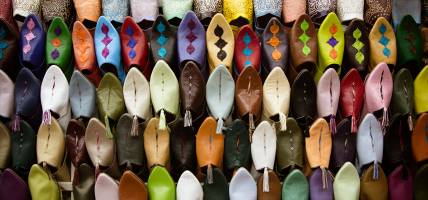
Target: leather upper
(263, 147)
(373, 189)
(100, 147)
(276, 97)
(7, 95)
(247, 51)
(82, 95)
(304, 51)
(242, 186)
(237, 146)
(274, 42)
(160, 185)
(75, 142)
(321, 185)
(188, 187)
(352, 97)
(344, 144)
(383, 47)
(409, 42)
(209, 145)
(136, 93)
(5, 146)
(219, 189)
(106, 188)
(295, 186)
(274, 187)
(156, 144)
(163, 43)
(397, 143)
(131, 187)
(50, 145)
(369, 141)
(42, 185)
(13, 186)
(130, 147)
(421, 96)
(22, 152)
(346, 184)
(183, 150)
(421, 179)
(9, 39)
(400, 184)
(328, 92)
(220, 43)
(402, 94)
(419, 140)
(357, 47)
(319, 144)
(290, 148)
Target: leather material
(382, 50)
(27, 99)
(331, 45)
(344, 144)
(409, 42)
(292, 10)
(85, 189)
(136, 93)
(100, 147)
(115, 11)
(130, 147)
(290, 148)
(42, 185)
(50, 145)
(238, 12)
(264, 11)
(164, 93)
(174, 10)
(131, 187)
(304, 100)
(5, 146)
(32, 46)
(352, 97)
(402, 94)
(220, 43)
(378, 91)
(237, 146)
(58, 46)
(249, 95)
(107, 48)
(318, 10)
(156, 144)
(276, 97)
(400, 184)
(192, 93)
(304, 51)
(149, 13)
(346, 184)
(9, 40)
(242, 186)
(318, 145)
(106, 188)
(183, 150)
(421, 179)
(56, 8)
(160, 185)
(371, 188)
(328, 92)
(220, 90)
(135, 48)
(163, 43)
(419, 139)
(84, 52)
(110, 100)
(13, 186)
(397, 147)
(274, 188)
(87, 12)
(188, 187)
(54, 97)
(295, 186)
(75, 143)
(375, 9)
(219, 189)
(191, 42)
(22, 152)
(274, 42)
(247, 50)
(369, 141)
(318, 189)
(357, 48)
(7, 95)
(82, 95)
(420, 96)
(348, 11)
(209, 146)
(206, 9)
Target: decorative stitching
(410, 37)
(358, 45)
(218, 31)
(304, 38)
(3, 44)
(274, 41)
(384, 40)
(191, 37)
(247, 51)
(56, 42)
(106, 41)
(161, 40)
(333, 41)
(131, 43)
(29, 36)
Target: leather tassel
(385, 120)
(187, 118)
(109, 134)
(324, 178)
(410, 122)
(265, 180)
(354, 128)
(162, 120)
(333, 124)
(210, 174)
(47, 118)
(16, 124)
(376, 171)
(283, 121)
(219, 125)
(134, 128)
(251, 121)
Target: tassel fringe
(210, 174)
(324, 179)
(283, 121)
(16, 124)
(333, 124)
(187, 118)
(220, 123)
(109, 134)
(376, 171)
(410, 122)
(385, 120)
(251, 121)
(134, 128)
(162, 120)
(47, 118)
(354, 128)
(265, 180)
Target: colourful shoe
(352, 97)
(347, 183)
(59, 47)
(383, 46)
(7, 97)
(156, 144)
(42, 185)
(220, 43)
(147, 15)
(357, 48)
(400, 183)
(50, 145)
(348, 11)
(274, 187)
(160, 185)
(82, 96)
(295, 186)
(9, 37)
(409, 42)
(163, 43)
(189, 188)
(275, 46)
(247, 51)
(418, 140)
(242, 186)
(421, 97)
(290, 148)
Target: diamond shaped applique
(221, 55)
(247, 39)
(162, 40)
(332, 42)
(384, 40)
(132, 54)
(58, 31)
(160, 27)
(106, 40)
(129, 31)
(191, 37)
(162, 52)
(333, 54)
(218, 31)
(247, 51)
(190, 49)
(55, 54)
(132, 43)
(220, 43)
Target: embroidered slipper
(304, 51)
(163, 43)
(247, 50)
(402, 102)
(383, 47)
(352, 97)
(275, 46)
(357, 48)
(409, 42)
